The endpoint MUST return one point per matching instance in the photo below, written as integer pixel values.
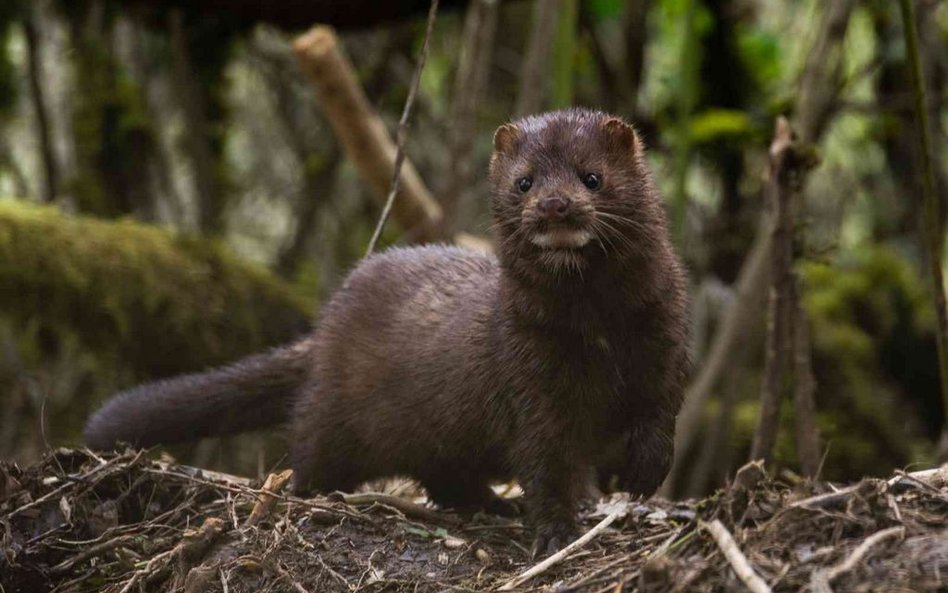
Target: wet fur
(460, 369)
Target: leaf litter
(79, 522)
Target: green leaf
(419, 532)
(604, 10)
(716, 124)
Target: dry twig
(273, 485)
(737, 559)
(407, 507)
(820, 579)
(557, 557)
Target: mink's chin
(562, 261)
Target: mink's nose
(554, 208)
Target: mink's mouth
(561, 238)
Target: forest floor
(79, 522)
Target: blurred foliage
(10, 11)
(720, 124)
(873, 342)
(874, 361)
(872, 319)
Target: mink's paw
(644, 479)
(643, 483)
(551, 538)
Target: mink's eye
(591, 180)
(524, 184)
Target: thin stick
(559, 556)
(403, 130)
(862, 549)
(735, 557)
(405, 506)
(286, 576)
(831, 498)
(931, 232)
(820, 579)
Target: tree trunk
(8, 163)
(781, 260)
(819, 84)
(804, 386)
(931, 229)
(37, 93)
(197, 135)
(317, 190)
(474, 65)
(535, 71)
(634, 20)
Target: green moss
(870, 323)
(873, 361)
(168, 302)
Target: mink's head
(571, 190)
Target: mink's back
(405, 378)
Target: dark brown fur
(460, 369)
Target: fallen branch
(363, 134)
(535, 72)
(737, 559)
(559, 556)
(781, 263)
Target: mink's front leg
(553, 484)
(649, 453)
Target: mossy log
(88, 306)
(169, 303)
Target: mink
(460, 369)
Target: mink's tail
(252, 393)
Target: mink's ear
(505, 137)
(622, 134)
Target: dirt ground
(78, 522)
